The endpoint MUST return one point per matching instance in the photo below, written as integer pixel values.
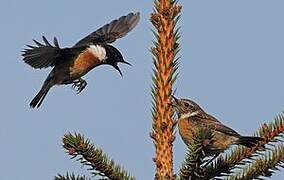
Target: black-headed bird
(70, 64)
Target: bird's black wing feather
(110, 32)
(41, 55)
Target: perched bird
(70, 64)
(192, 117)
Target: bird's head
(114, 57)
(185, 108)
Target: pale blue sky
(232, 65)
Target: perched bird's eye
(186, 104)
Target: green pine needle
(264, 166)
(70, 177)
(87, 154)
(196, 153)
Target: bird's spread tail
(38, 99)
(248, 141)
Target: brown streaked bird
(192, 117)
(70, 64)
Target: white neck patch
(98, 51)
(187, 115)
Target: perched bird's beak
(175, 101)
(175, 105)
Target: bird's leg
(210, 160)
(79, 85)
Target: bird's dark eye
(186, 104)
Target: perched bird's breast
(91, 57)
(187, 129)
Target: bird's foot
(79, 85)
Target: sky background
(232, 65)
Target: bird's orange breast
(187, 129)
(84, 62)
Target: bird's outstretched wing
(41, 55)
(44, 55)
(110, 32)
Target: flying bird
(71, 63)
(192, 117)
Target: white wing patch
(98, 51)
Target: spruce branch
(70, 177)
(271, 133)
(264, 166)
(196, 153)
(87, 154)
(164, 19)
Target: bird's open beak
(125, 62)
(117, 68)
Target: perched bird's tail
(38, 99)
(248, 141)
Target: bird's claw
(79, 85)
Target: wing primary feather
(42, 55)
(46, 41)
(39, 44)
(30, 46)
(55, 41)
(133, 22)
(108, 33)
